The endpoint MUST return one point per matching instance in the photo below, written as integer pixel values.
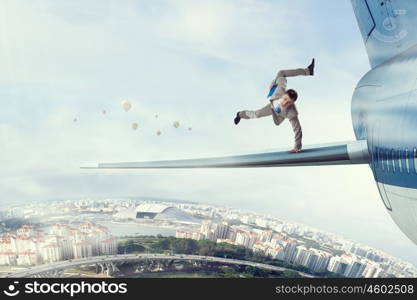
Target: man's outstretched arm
(298, 134)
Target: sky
(196, 62)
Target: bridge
(108, 264)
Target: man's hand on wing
(294, 151)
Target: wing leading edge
(335, 154)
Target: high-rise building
(108, 246)
(180, 234)
(205, 227)
(290, 251)
(231, 234)
(372, 271)
(242, 238)
(198, 236)
(51, 253)
(355, 269)
(337, 265)
(358, 251)
(222, 230)
(82, 249)
(31, 246)
(27, 258)
(301, 256)
(246, 239)
(260, 248)
(274, 253)
(266, 235)
(322, 261)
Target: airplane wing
(329, 154)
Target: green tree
(162, 244)
(256, 272)
(186, 246)
(130, 246)
(206, 248)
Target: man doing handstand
(282, 103)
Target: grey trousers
(252, 114)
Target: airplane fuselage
(384, 113)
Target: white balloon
(135, 126)
(176, 124)
(126, 105)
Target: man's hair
(292, 94)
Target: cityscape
(29, 246)
(54, 231)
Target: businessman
(282, 103)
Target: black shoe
(237, 119)
(311, 67)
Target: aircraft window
(407, 163)
(393, 160)
(387, 157)
(400, 161)
(381, 158)
(415, 160)
(375, 157)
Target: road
(67, 264)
